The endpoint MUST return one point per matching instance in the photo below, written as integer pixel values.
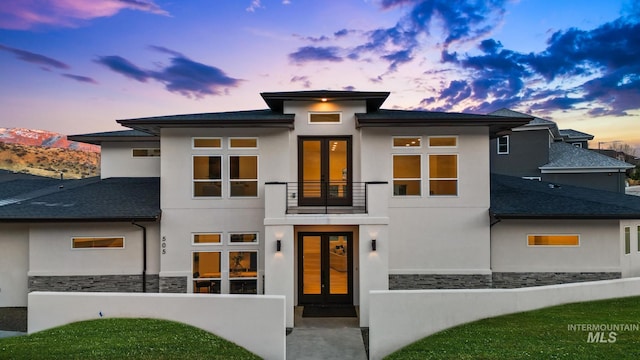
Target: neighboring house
(539, 150)
(321, 198)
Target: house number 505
(164, 245)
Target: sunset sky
(75, 66)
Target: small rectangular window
(407, 175)
(207, 143)
(553, 240)
(243, 238)
(407, 141)
(443, 141)
(243, 272)
(206, 238)
(503, 144)
(206, 267)
(443, 175)
(243, 143)
(153, 152)
(97, 243)
(207, 176)
(627, 240)
(578, 145)
(243, 176)
(325, 118)
(638, 238)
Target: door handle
(322, 279)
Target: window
(207, 176)
(206, 239)
(206, 271)
(503, 144)
(207, 143)
(407, 141)
(325, 118)
(578, 145)
(627, 240)
(638, 238)
(152, 152)
(443, 175)
(407, 175)
(243, 272)
(243, 143)
(243, 175)
(243, 238)
(553, 240)
(443, 141)
(97, 243)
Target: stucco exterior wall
(14, 262)
(599, 249)
(528, 150)
(116, 160)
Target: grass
(539, 334)
(122, 339)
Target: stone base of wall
(173, 284)
(506, 280)
(13, 319)
(99, 283)
(439, 281)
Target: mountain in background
(45, 153)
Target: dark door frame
(325, 297)
(325, 199)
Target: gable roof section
(236, 119)
(404, 118)
(373, 99)
(516, 198)
(575, 135)
(112, 199)
(536, 123)
(113, 136)
(564, 157)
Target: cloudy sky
(74, 66)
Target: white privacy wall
(14, 262)
(399, 318)
(253, 322)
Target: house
(540, 150)
(321, 198)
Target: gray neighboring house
(540, 150)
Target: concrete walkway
(6, 334)
(325, 338)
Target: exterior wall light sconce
(278, 245)
(373, 245)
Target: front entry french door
(324, 175)
(325, 268)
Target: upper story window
(207, 176)
(207, 143)
(407, 175)
(443, 174)
(553, 240)
(97, 243)
(151, 152)
(325, 118)
(503, 144)
(578, 145)
(243, 175)
(243, 143)
(443, 141)
(407, 141)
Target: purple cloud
(35, 58)
(312, 53)
(306, 83)
(80, 78)
(123, 67)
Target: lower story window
(206, 272)
(627, 240)
(243, 272)
(97, 243)
(553, 240)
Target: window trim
(442, 146)
(194, 147)
(231, 243)
(194, 243)
(421, 178)
(193, 180)
(133, 150)
(553, 246)
(339, 113)
(243, 138)
(457, 179)
(256, 180)
(99, 237)
(508, 145)
(406, 137)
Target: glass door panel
(324, 174)
(338, 265)
(338, 169)
(311, 261)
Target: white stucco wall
(51, 253)
(599, 248)
(630, 263)
(14, 262)
(116, 160)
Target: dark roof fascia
(235, 119)
(80, 220)
(498, 125)
(373, 99)
(564, 216)
(98, 139)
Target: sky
(75, 66)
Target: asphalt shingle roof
(513, 197)
(566, 156)
(575, 134)
(112, 199)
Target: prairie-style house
(321, 197)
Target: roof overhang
(97, 139)
(565, 216)
(581, 170)
(373, 99)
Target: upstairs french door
(324, 171)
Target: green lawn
(540, 334)
(122, 339)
